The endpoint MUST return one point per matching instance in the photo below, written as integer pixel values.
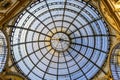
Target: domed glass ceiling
(59, 40)
(3, 51)
(115, 62)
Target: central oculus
(60, 42)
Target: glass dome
(60, 40)
(3, 51)
(115, 62)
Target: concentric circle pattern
(60, 40)
(115, 62)
(3, 50)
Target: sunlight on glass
(60, 40)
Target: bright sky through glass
(60, 40)
(3, 51)
(115, 62)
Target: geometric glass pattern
(3, 51)
(115, 62)
(60, 40)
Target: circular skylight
(59, 40)
(3, 51)
(115, 62)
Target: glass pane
(3, 51)
(115, 62)
(61, 39)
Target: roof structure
(60, 40)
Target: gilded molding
(11, 76)
(10, 8)
(108, 11)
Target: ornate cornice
(10, 8)
(110, 11)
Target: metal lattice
(59, 40)
(3, 51)
(115, 62)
